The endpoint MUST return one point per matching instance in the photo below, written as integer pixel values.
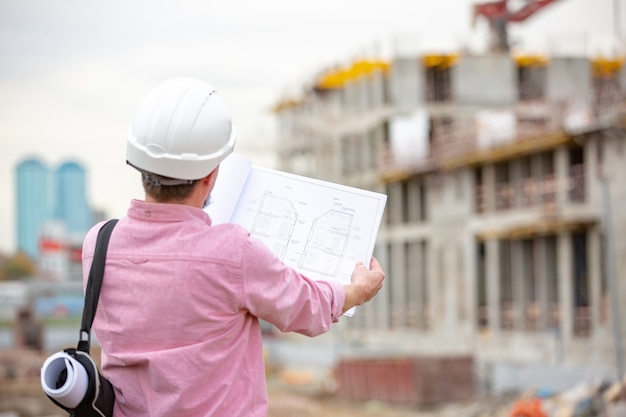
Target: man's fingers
(375, 265)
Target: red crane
(499, 16)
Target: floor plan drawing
(274, 223)
(326, 245)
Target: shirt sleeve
(285, 298)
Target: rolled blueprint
(64, 379)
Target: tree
(16, 267)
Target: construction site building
(504, 234)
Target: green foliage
(16, 267)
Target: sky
(73, 72)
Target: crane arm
(499, 16)
(528, 10)
(498, 10)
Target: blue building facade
(35, 203)
(45, 195)
(72, 205)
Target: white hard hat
(181, 130)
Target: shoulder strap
(94, 284)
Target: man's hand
(365, 284)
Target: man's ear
(212, 177)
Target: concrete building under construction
(504, 235)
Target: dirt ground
(21, 396)
(28, 401)
(289, 404)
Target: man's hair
(164, 193)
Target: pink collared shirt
(178, 313)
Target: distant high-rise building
(72, 206)
(46, 196)
(34, 204)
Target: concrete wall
(407, 83)
(569, 79)
(485, 80)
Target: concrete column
(517, 278)
(460, 277)
(415, 282)
(413, 203)
(399, 285)
(433, 278)
(594, 257)
(362, 93)
(536, 170)
(561, 174)
(441, 287)
(426, 284)
(565, 285)
(542, 282)
(515, 180)
(489, 188)
(471, 284)
(334, 162)
(395, 204)
(376, 88)
(492, 260)
(590, 160)
(450, 290)
(382, 298)
(350, 97)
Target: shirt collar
(166, 212)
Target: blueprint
(319, 228)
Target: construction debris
(586, 399)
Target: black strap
(94, 284)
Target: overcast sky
(72, 72)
